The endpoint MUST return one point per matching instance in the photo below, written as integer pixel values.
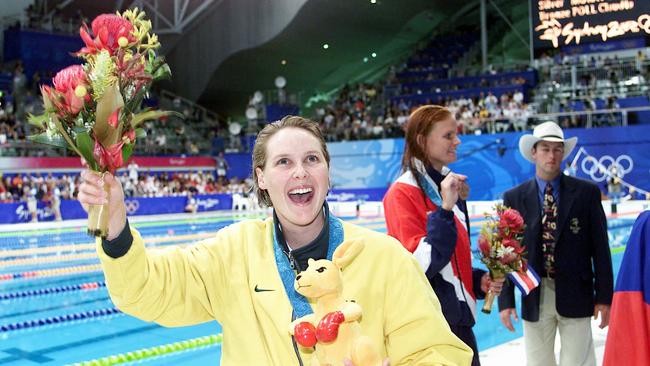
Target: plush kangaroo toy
(334, 326)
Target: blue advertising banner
(356, 195)
(275, 112)
(239, 165)
(365, 164)
(71, 209)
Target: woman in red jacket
(426, 211)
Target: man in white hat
(567, 245)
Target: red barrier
(73, 164)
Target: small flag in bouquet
(94, 109)
(500, 244)
(526, 281)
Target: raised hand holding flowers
(500, 246)
(94, 109)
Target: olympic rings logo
(600, 169)
(131, 206)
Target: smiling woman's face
(441, 143)
(296, 176)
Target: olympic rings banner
(600, 151)
(493, 162)
(71, 209)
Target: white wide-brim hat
(547, 131)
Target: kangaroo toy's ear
(346, 252)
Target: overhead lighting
(284, 62)
(326, 46)
(365, 59)
(373, 54)
(373, 1)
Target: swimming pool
(55, 310)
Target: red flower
(108, 158)
(512, 243)
(484, 246)
(108, 29)
(512, 220)
(71, 86)
(69, 78)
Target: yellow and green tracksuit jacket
(224, 279)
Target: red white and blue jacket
(439, 239)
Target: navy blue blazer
(583, 263)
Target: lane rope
(53, 290)
(53, 272)
(157, 351)
(57, 319)
(91, 246)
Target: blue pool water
(48, 320)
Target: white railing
(205, 113)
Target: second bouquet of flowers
(500, 244)
(94, 108)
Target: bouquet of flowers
(500, 245)
(94, 109)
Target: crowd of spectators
(14, 106)
(179, 184)
(33, 188)
(191, 135)
(358, 113)
(21, 187)
(489, 114)
(51, 189)
(20, 96)
(372, 111)
(586, 78)
(601, 67)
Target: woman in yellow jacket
(243, 277)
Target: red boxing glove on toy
(328, 327)
(305, 334)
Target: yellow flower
(141, 27)
(152, 39)
(80, 91)
(123, 42)
(102, 73)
